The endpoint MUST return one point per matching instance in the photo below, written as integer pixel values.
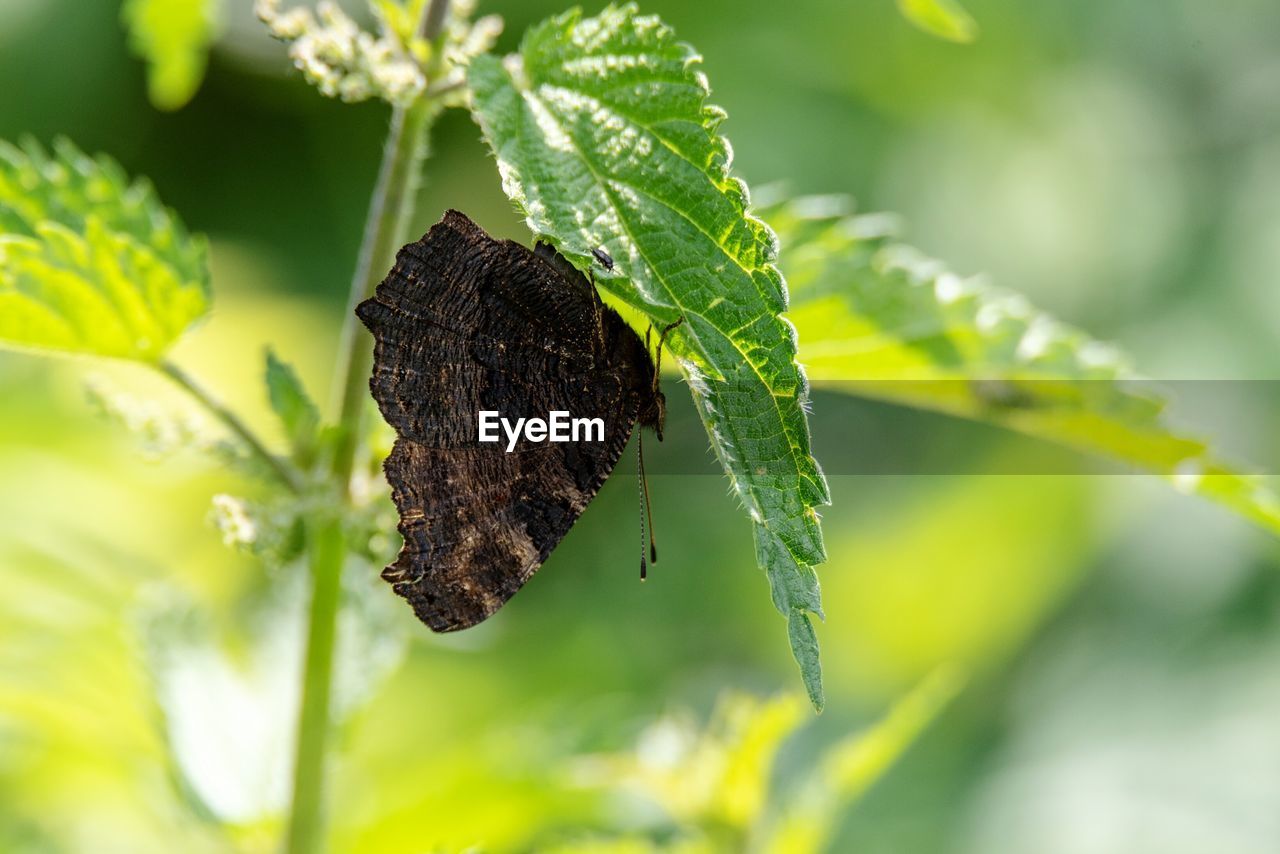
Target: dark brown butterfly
(464, 324)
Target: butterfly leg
(662, 339)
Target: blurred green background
(1117, 162)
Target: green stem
(282, 470)
(306, 819)
(390, 210)
(389, 213)
(433, 20)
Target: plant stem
(282, 470)
(389, 212)
(433, 19)
(306, 819)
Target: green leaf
(945, 19)
(89, 262)
(851, 766)
(604, 139)
(885, 322)
(804, 646)
(718, 776)
(291, 404)
(173, 36)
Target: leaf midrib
(604, 185)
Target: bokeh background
(1117, 162)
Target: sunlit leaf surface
(604, 139)
(90, 262)
(880, 320)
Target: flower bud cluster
(343, 61)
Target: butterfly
(465, 324)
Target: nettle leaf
(945, 19)
(173, 36)
(880, 320)
(90, 262)
(293, 406)
(604, 139)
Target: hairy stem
(277, 466)
(389, 212)
(433, 20)
(306, 819)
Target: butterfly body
(465, 323)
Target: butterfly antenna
(646, 509)
(644, 491)
(640, 488)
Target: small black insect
(465, 323)
(605, 259)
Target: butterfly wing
(465, 323)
